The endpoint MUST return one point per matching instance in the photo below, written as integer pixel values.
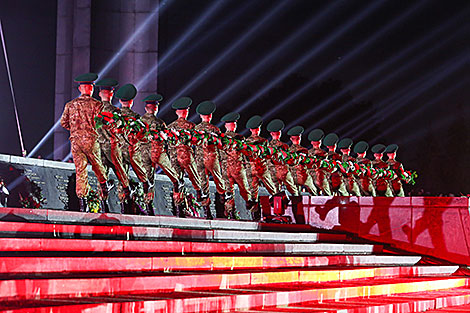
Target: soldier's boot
(126, 204)
(82, 204)
(207, 209)
(220, 205)
(150, 209)
(256, 214)
(199, 195)
(105, 188)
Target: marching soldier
(397, 186)
(365, 182)
(259, 169)
(338, 184)
(344, 145)
(320, 175)
(235, 171)
(300, 174)
(280, 170)
(207, 155)
(181, 153)
(114, 144)
(381, 184)
(126, 95)
(78, 117)
(153, 151)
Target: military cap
(275, 125)
(391, 148)
(254, 122)
(361, 147)
(316, 135)
(87, 78)
(378, 148)
(182, 103)
(153, 98)
(230, 117)
(126, 92)
(107, 83)
(205, 108)
(345, 143)
(330, 140)
(295, 131)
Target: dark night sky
(412, 63)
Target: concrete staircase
(56, 261)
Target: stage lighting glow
(312, 53)
(184, 38)
(224, 56)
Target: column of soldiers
(249, 167)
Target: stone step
(47, 265)
(180, 247)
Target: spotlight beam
(369, 75)
(398, 104)
(313, 21)
(182, 39)
(420, 110)
(222, 57)
(378, 34)
(309, 55)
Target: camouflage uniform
(181, 154)
(382, 184)
(350, 180)
(301, 177)
(396, 183)
(280, 171)
(338, 182)
(78, 118)
(320, 175)
(365, 182)
(208, 161)
(260, 171)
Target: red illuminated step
(262, 281)
(19, 229)
(98, 245)
(43, 265)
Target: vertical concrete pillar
(72, 59)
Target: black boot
(82, 204)
(198, 195)
(207, 209)
(104, 206)
(106, 187)
(256, 215)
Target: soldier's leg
(79, 158)
(290, 184)
(167, 168)
(401, 192)
(312, 189)
(388, 191)
(269, 183)
(135, 155)
(190, 168)
(216, 172)
(202, 174)
(342, 189)
(371, 189)
(119, 166)
(354, 188)
(325, 183)
(93, 154)
(240, 177)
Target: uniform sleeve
(65, 119)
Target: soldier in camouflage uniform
(365, 181)
(113, 143)
(153, 151)
(381, 184)
(344, 145)
(320, 175)
(397, 167)
(259, 167)
(279, 170)
(181, 153)
(299, 170)
(78, 118)
(126, 95)
(337, 180)
(207, 155)
(234, 165)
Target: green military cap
(182, 103)
(378, 148)
(330, 140)
(87, 78)
(107, 83)
(275, 125)
(361, 147)
(153, 98)
(230, 117)
(316, 135)
(345, 143)
(391, 148)
(254, 122)
(126, 92)
(295, 131)
(205, 108)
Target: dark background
(418, 99)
